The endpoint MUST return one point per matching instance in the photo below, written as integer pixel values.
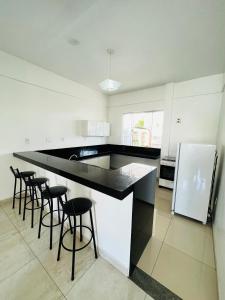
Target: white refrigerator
(193, 180)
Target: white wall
(43, 107)
(196, 102)
(138, 101)
(219, 222)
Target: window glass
(143, 129)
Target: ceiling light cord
(109, 52)
(110, 65)
(109, 85)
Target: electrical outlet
(27, 141)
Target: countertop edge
(101, 188)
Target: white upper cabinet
(106, 129)
(94, 128)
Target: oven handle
(169, 164)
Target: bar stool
(31, 184)
(18, 176)
(51, 193)
(76, 207)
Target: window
(143, 129)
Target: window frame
(140, 112)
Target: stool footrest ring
(23, 191)
(45, 215)
(78, 249)
(38, 207)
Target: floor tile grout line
(38, 259)
(164, 242)
(208, 240)
(27, 263)
(214, 252)
(197, 260)
(11, 222)
(92, 265)
(54, 279)
(156, 259)
(17, 230)
(35, 256)
(171, 220)
(161, 246)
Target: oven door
(167, 172)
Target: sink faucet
(73, 155)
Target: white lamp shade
(109, 85)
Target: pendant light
(109, 85)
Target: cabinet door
(92, 128)
(100, 129)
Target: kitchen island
(123, 200)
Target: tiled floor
(180, 254)
(29, 270)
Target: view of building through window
(143, 129)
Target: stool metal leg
(20, 196)
(32, 205)
(35, 190)
(93, 234)
(81, 233)
(29, 191)
(14, 193)
(51, 222)
(58, 210)
(71, 228)
(74, 249)
(61, 237)
(25, 203)
(41, 214)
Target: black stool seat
(37, 181)
(54, 192)
(26, 174)
(77, 206)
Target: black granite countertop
(116, 183)
(85, 152)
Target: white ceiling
(155, 41)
